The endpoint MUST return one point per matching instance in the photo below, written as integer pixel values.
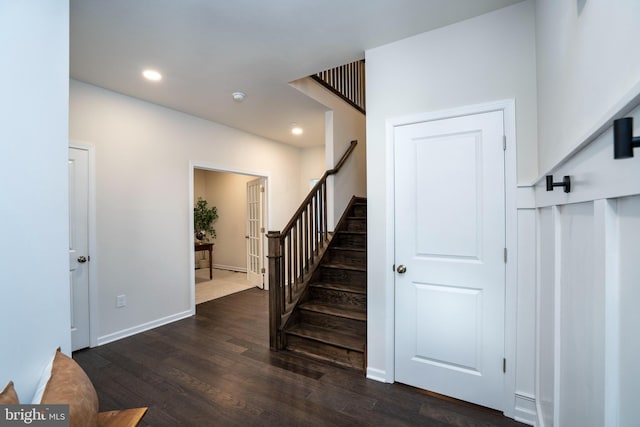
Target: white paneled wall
(588, 290)
(546, 314)
(525, 361)
(580, 324)
(628, 316)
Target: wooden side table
(206, 247)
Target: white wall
(588, 287)
(571, 317)
(312, 166)
(484, 59)
(199, 184)
(488, 58)
(545, 315)
(587, 62)
(628, 210)
(228, 193)
(588, 75)
(34, 260)
(143, 201)
(343, 125)
(524, 364)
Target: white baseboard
(525, 411)
(377, 375)
(105, 339)
(230, 268)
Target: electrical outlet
(121, 301)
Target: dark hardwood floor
(215, 369)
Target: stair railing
(347, 81)
(294, 251)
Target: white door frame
(193, 165)
(511, 219)
(94, 260)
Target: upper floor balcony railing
(347, 81)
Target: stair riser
(355, 224)
(349, 257)
(359, 210)
(325, 352)
(349, 277)
(321, 314)
(349, 326)
(358, 301)
(348, 240)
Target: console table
(206, 247)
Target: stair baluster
(287, 256)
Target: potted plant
(203, 218)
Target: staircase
(329, 323)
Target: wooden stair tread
(330, 324)
(339, 287)
(344, 266)
(328, 336)
(347, 248)
(346, 311)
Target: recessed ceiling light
(152, 75)
(239, 96)
(296, 130)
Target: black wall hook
(566, 183)
(623, 140)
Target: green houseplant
(203, 219)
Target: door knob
(82, 259)
(401, 269)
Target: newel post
(275, 289)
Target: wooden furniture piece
(206, 247)
(123, 418)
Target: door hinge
(261, 189)
(262, 229)
(504, 365)
(505, 255)
(504, 142)
(262, 270)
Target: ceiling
(208, 49)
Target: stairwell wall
(343, 124)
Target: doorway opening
(236, 259)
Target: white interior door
(255, 231)
(79, 246)
(450, 238)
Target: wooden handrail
(321, 181)
(295, 250)
(343, 159)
